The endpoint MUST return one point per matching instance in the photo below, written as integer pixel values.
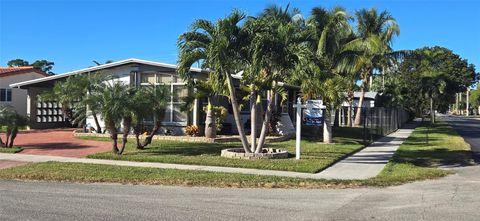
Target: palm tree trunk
(236, 113)
(8, 132)
(127, 124)
(350, 107)
(210, 126)
(95, 118)
(266, 119)
(366, 74)
(158, 124)
(360, 105)
(113, 134)
(13, 135)
(327, 127)
(253, 120)
(432, 112)
(137, 140)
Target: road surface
(469, 129)
(452, 198)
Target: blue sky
(73, 33)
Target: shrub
(191, 130)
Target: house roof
(9, 71)
(369, 95)
(99, 67)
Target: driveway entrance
(58, 142)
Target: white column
(468, 106)
(298, 129)
(29, 109)
(195, 112)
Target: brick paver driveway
(58, 142)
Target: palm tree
(73, 95)
(150, 101)
(317, 70)
(206, 89)
(115, 105)
(216, 46)
(374, 36)
(12, 121)
(270, 54)
(433, 79)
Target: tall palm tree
(374, 35)
(270, 54)
(216, 46)
(317, 71)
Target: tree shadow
(434, 157)
(186, 149)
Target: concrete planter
(268, 153)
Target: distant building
(15, 97)
(371, 99)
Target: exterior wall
(19, 96)
(33, 102)
(131, 74)
(121, 73)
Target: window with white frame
(5, 95)
(178, 91)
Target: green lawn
(10, 150)
(415, 160)
(315, 155)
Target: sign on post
(313, 116)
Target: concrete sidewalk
(371, 160)
(362, 165)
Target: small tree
(73, 95)
(148, 101)
(12, 121)
(115, 105)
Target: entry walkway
(362, 165)
(371, 160)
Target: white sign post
(299, 106)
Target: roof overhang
(43, 81)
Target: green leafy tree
(43, 65)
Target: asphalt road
(469, 129)
(452, 198)
(455, 197)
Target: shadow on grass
(434, 157)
